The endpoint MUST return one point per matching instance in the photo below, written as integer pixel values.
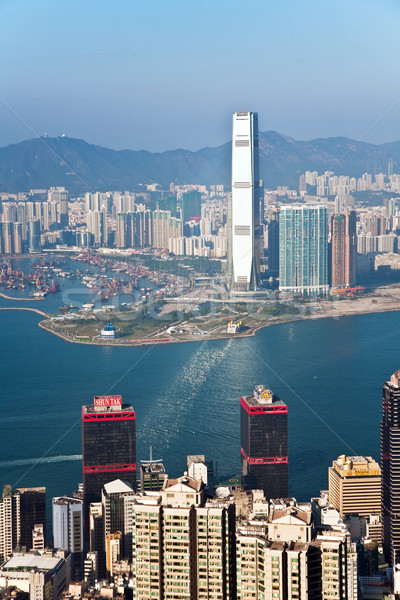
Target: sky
(159, 75)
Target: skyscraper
(10, 530)
(170, 203)
(68, 530)
(244, 207)
(355, 486)
(114, 496)
(108, 445)
(191, 205)
(32, 512)
(303, 249)
(97, 225)
(20, 512)
(264, 441)
(7, 237)
(343, 249)
(390, 465)
(139, 229)
(121, 221)
(273, 242)
(163, 227)
(183, 544)
(17, 237)
(34, 235)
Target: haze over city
(200, 364)
(158, 76)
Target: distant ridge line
(67, 162)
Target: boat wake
(45, 459)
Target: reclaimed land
(213, 326)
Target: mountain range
(81, 167)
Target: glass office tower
(264, 441)
(108, 445)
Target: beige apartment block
(182, 545)
(147, 551)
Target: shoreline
(323, 314)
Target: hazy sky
(163, 74)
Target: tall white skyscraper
(244, 230)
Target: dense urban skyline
(169, 261)
(128, 76)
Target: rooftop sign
(108, 401)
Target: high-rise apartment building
(17, 238)
(139, 229)
(121, 230)
(303, 249)
(164, 227)
(343, 249)
(92, 201)
(264, 443)
(355, 486)
(57, 194)
(147, 547)
(338, 564)
(7, 237)
(390, 464)
(123, 203)
(22, 218)
(292, 560)
(108, 445)
(10, 527)
(182, 546)
(244, 230)
(97, 226)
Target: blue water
(186, 396)
(72, 291)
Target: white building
(67, 524)
(244, 211)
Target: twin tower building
(109, 444)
